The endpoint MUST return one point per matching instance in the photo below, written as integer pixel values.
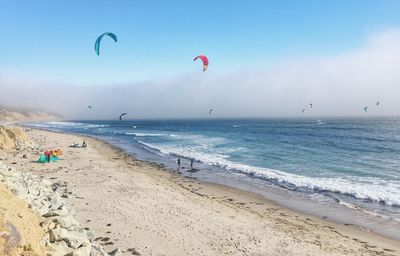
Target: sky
(267, 58)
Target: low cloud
(338, 85)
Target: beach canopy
(98, 40)
(44, 159)
(204, 59)
(123, 114)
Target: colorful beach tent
(43, 159)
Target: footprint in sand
(388, 250)
(133, 251)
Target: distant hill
(23, 114)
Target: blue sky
(267, 58)
(53, 40)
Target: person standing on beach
(179, 162)
(191, 163)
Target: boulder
(68, 222)
(63, 211)
(82, 251)
(55, 202)
(60, 249)
(97, 250)
(48, 224)
(90, 234)
(72, 238)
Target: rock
(42, 210)
(19, 191)
(60, 249)
(63, 211)
(38, 205)
(97, 250)
(34, 190)
(46, 183)
(116, 252)
(68, 222)
(55, 202)
(48, 225)
(73, 239)
(90, 234)
(46, 239)
(82, 251)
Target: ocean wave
(139, 134)
(66, 123)
(76, 124)
(371, 189)
(38, 125)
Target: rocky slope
(14, 139)
(58, 231)
(62, 233)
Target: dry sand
(141, 207)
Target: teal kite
(98, 40)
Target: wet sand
(142, 207)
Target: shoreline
(243, 203)
(249, 193)
(343, 214)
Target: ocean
(347, 170)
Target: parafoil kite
(89, 107)
(365, 109)
(98, 40)
(311, 105)
(377, 103)
(204, 59)
(211, 110)
(123, 114)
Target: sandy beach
(145, 209)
